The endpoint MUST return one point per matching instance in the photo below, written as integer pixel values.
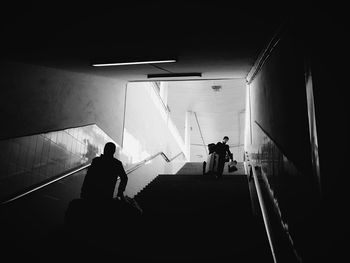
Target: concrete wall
(278, 103)
(36, 99)
(329, 66)
(278, 136)
(327, 49)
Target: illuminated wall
(148, 130)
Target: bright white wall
(147, 133)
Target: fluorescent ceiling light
(133, 63)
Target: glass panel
(38, 151)
(74, 145)
(14, 153)
(54, 137)
(4, 157)
(22, 158)
(28, 160)
(45, 158)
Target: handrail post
(200, 132)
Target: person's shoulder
(95, 163)
(96, 159)
(117, 162)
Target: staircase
(190, 217)
(187, 217)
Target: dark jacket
(222, 150)
(101, 178)
(211, 147)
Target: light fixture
(174, 75)
(133, 63)
(216, 88)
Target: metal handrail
(262, 204)
(143, 162)
(268, 227)
(200, 132)
(264, 212)
(283, 224)
(74, 171)
(42, 185)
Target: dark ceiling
(71, 36)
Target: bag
(228, 157)
(232, 167)
(212, 163)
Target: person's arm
(229, 153)
(218, 148)
(123, 181)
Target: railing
(264, 212)
(256, 173)
(138, 165)
(200, 132)
(279, 253)
(81, 168)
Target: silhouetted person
(102, 175)
(223, 150)
(211, 148)
(97, 207)
(96, 218)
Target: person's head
(225, 139)
(109, 149)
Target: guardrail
(256, 174)
(79, 169)
(264, 212)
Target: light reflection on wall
(133, 151)
(156, 100)
(163, 110)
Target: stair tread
(192, 215)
